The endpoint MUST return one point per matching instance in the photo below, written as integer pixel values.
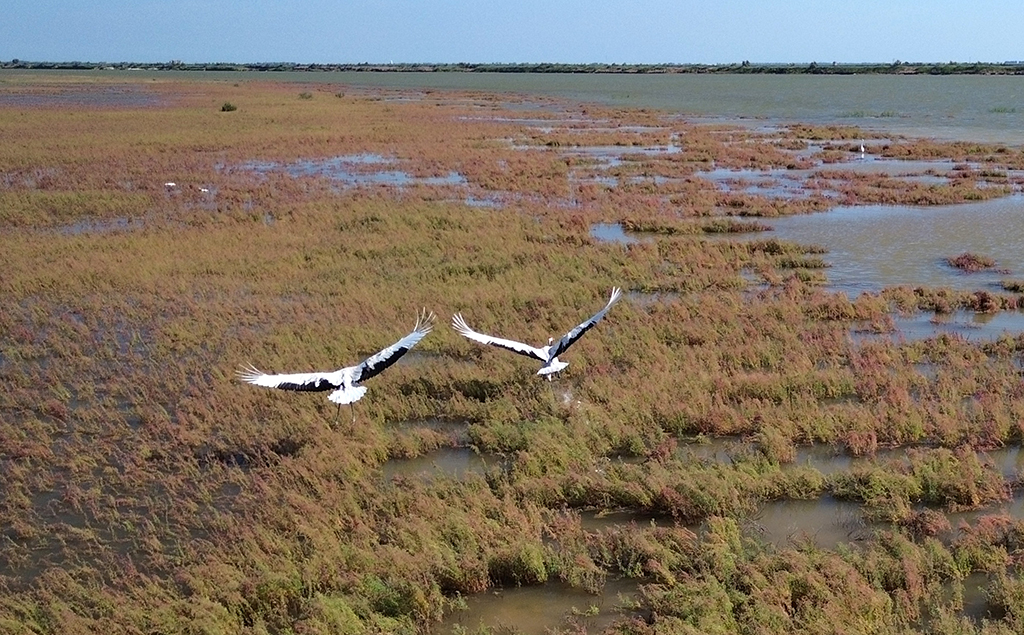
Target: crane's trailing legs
(337, 413)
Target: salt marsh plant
(142, 489)
(971, 262)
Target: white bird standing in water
(548, 354)
(344, 380)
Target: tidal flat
(754, 440)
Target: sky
(511, 31)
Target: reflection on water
(967, 324)
(613, 233)
(613, 156)
(353, 170)
(539, 609)
(804, 182)
(875, 246)
(1014, 508)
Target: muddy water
(825, 522)
(1014, 508)
(829, 459)
(975, 598)
(594, 521)
(451, 462)
(539, 609)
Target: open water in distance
(984, 108)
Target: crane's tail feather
(349, 394)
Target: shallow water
(450, 462)
(967, 324)
(776, 183)
(100, 226)
(644, 300)
(712, 449)
(612, 156)
(1014, 508)
(595, 521)
(792, 183)
(538, 609)
(826, 522)
(871, 164)
(829, 459)
(613, 233)
(354, 170)
(975, 597)
(875, 246)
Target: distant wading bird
(548, 354)
(343, 381)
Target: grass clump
(970, 262)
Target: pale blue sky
(577, 31)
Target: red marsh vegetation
(143, 490)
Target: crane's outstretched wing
(375, 364)
(569, 338)
(307, 382)
(460, 325)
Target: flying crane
(547, 354)
(344, 380)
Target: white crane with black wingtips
(547, 354)
(344, 381)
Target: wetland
(805, 415)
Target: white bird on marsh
(547, 354)
(344, 380)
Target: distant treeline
(833, 68)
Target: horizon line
(811, 63)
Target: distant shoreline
(813, 68)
